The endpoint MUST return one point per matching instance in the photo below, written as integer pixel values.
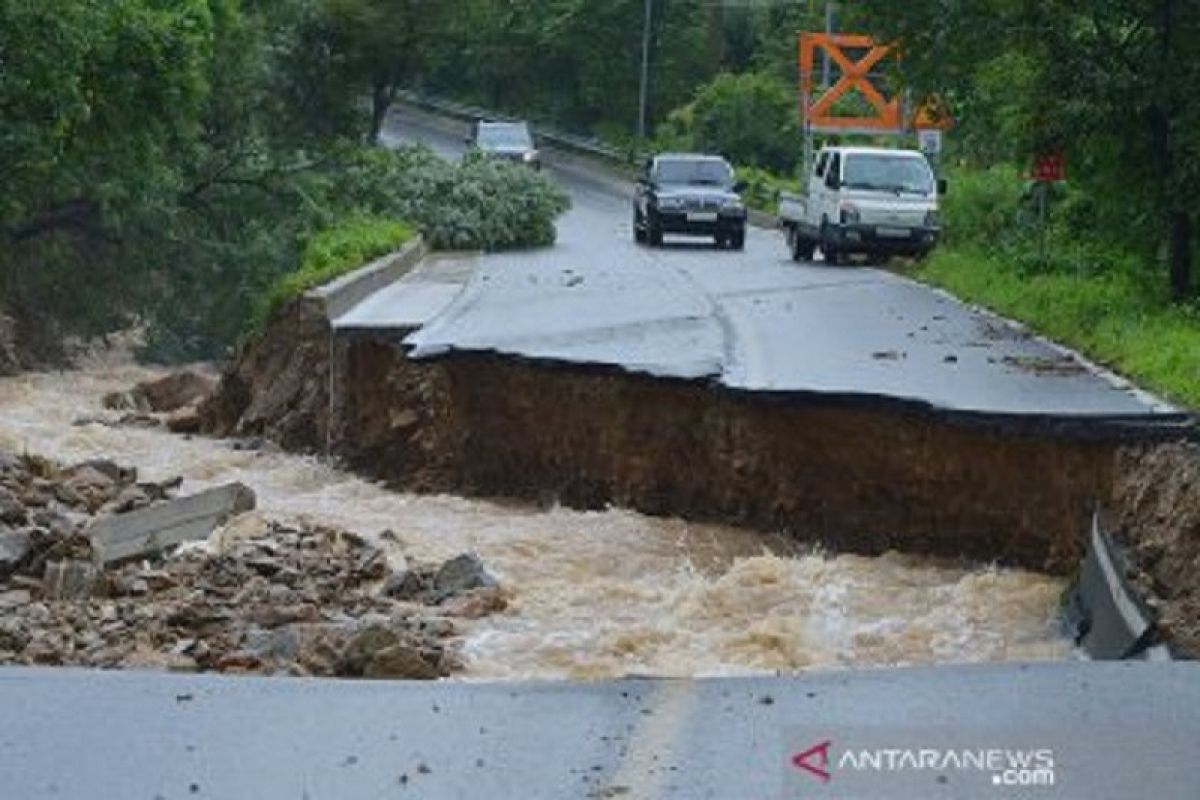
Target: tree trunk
(1181, 254)
(381, 100)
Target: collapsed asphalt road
(751, 320)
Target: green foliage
(763, 188)
(1111, 84)
(750, 119)
(333, 252)
(1112, 317)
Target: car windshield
(708, 172)
(887, 174)
(504, 137)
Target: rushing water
(595, 594)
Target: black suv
(691, 194)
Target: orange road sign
(818, 111)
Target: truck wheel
(639, 230)
(833, 256)
(802, 248)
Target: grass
(1108, 316)
(332, 253)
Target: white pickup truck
(864, 200)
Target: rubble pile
(255, 596)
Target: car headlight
(933, 220)
(850, 214)
(731, 204)
(670, 203)
(531, 155)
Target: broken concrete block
(149, 531)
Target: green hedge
(333, 252)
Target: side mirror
(740, 187)
(833, 181)
(942, 186)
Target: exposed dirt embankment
(278, 385)
(859, 479)
(1157, 500)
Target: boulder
(175, 391)
(400, 662)
(379, 652)
(460, 574)
(407, 584)
(12, 510)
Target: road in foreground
(1093, 730)
(751, 320)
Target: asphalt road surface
(1082, 730)
(751, 320)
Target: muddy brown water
(595, 594)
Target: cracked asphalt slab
(1128, 729)
(752, 321)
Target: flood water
(595, 594)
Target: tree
(382, 44)
(750, 118)
(1112, 83)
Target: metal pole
(826, 78)
(642, 95)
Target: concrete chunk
(1115, 623)
(149, 531)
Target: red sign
(1050, 168)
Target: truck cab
(864, 200)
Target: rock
(9, 462)
(123, 401)
(131, 498)
(57, 524)
(243, 527)
(184, 420)
(378, 652)
(400, 662)
(140, 420)
(363, 646)
(69, 580)
(12, 510)
(174, 391)
(460, 574)
(476, 603)
(110, 469)
(240, 661)
(407, 584)
(15, 548)
(14, 599)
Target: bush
(333, 252)
(749, 118)
(478, 203)
(763, 188)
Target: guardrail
(563, 140)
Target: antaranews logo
(1005, 767)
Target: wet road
(1099, 731)
(752, 320)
